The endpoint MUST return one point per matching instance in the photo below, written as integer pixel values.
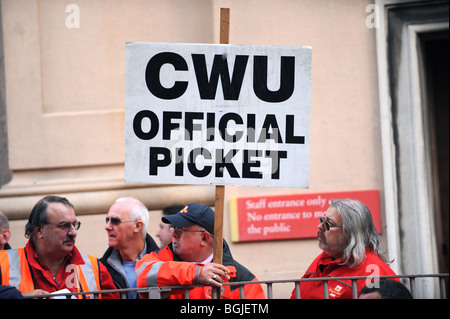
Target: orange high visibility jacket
(15, 271)
(166, 269)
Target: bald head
(5, 234)
(136, 209)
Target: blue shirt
(128, 266)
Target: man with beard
(351, 247)
(50, 262)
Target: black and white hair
(38, 215)
(359, 229)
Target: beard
(334, 250)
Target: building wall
(65, 100)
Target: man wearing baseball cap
(187, 260)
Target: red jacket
(42, 278)
(166, 269)
(325, 266)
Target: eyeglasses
(178, 230)
(116, 221)
(66, 226)
(328, 225)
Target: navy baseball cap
(192, 214)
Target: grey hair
(138, 212)
(359, 230)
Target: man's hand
(212, 274)
(36, 292)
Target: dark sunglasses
(116, 221)
(328, 225)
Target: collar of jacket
(74, 257)
(150, 246)
(113, 262)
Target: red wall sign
(289, 216)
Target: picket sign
(218, 114)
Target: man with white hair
(126, 225)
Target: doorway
(435, 59)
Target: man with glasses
(50, 262)
(188, 260)
(351, 247)
(126, 225)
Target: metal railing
(160, 292)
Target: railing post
(412, 283)
(354, 289)
(297, 290)
(325, 289)
(154, 293)
(442, 287)
(269, 291)
(241, 292)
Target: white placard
(217, 114)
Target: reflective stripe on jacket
(15, 271)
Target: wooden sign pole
(224, 25)
(218, 225)
(220, 189)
